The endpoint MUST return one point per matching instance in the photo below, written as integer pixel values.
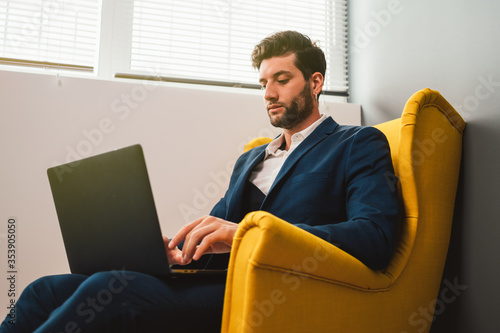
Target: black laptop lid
(107, 214)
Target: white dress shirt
(264, 173)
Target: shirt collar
(274, 147)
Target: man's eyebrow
(275, 75)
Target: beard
(299, 109)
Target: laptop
(108, 217)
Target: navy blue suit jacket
(338, 184)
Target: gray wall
(453, 46)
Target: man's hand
(174, 255)
(206, 235)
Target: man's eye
(263, 87)
(283, 81)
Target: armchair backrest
(426, 147)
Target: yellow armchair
(284, 279)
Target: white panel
(191, 137)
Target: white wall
(191, 137)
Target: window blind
(212, 40)
(50, 33)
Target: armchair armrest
(268, 242)
(277, 269)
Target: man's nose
(270, 93)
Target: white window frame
(111, 21)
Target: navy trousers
(119, 301)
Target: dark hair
(309, 57)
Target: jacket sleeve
(371, 200)
(219, 210)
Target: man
(328, 179)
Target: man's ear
(317, 81)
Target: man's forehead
(278, 65)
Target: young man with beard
(327, 179)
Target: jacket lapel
(234, 202)
(324, 129)
(257, 155)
